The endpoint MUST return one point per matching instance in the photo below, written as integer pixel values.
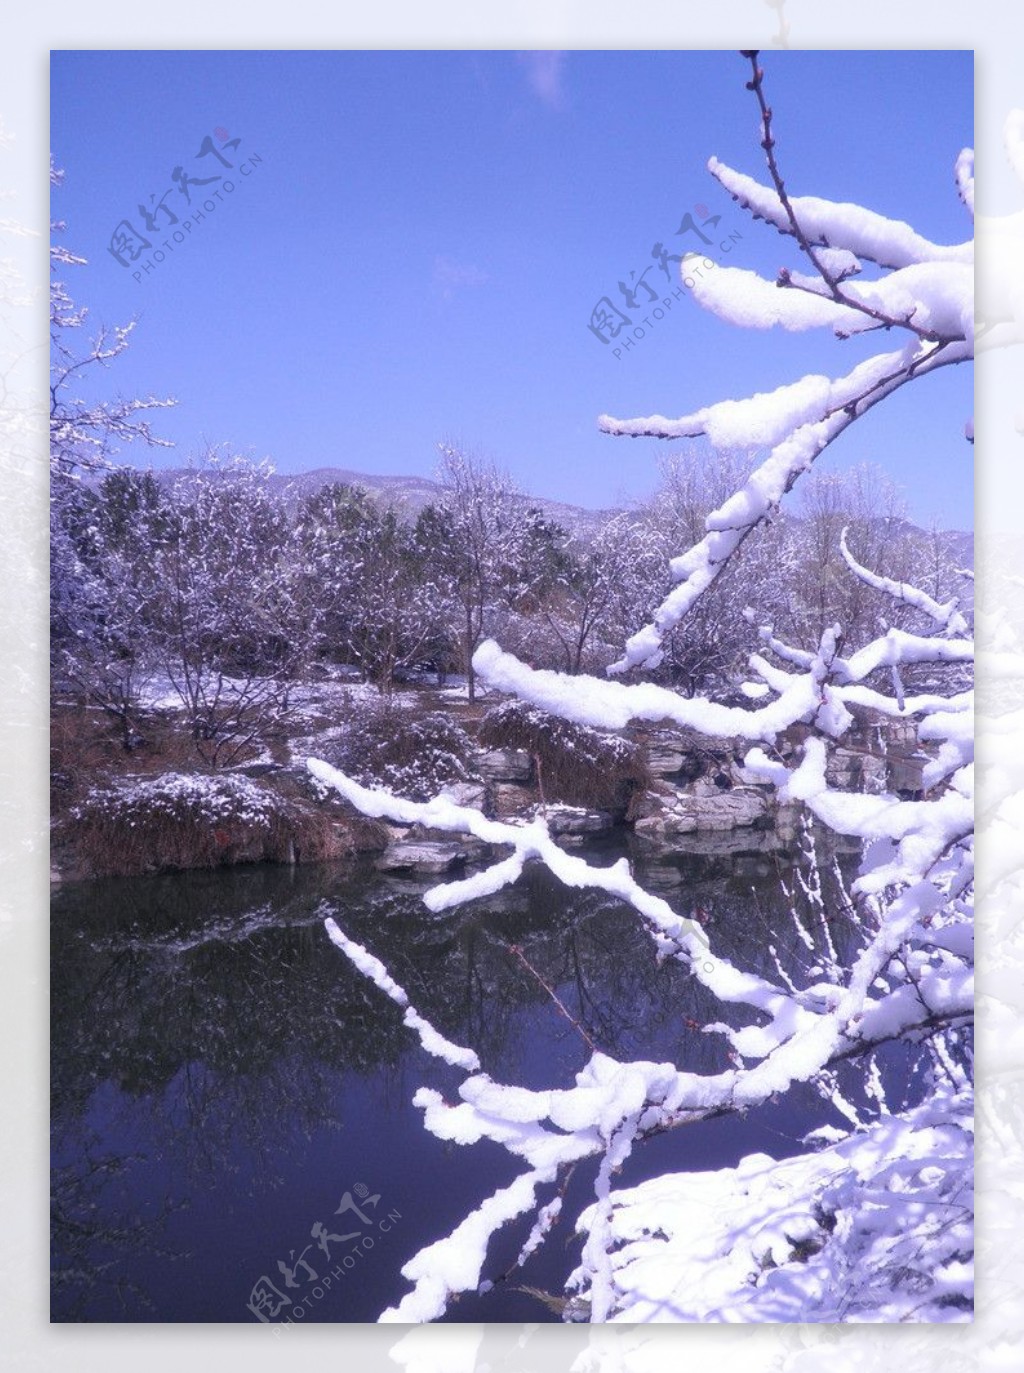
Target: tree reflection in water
(212, 1052)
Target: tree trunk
(470, 670)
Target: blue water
(222, 1077)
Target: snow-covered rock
(575, 821)
(510, 799)
(665, 758)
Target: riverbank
(155, 808)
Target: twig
(517, 951)
(756, 84)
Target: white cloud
(544, 72)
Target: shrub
(575, 765)
(411, 752)
(179, 821)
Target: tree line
(216, 581)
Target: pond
(224, 1082)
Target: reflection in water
(223, 1079)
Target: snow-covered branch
(614, 1105)
(876, 1225)
(811, 419)
(947, 616)
(613, 705)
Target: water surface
(223, 1079)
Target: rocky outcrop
(472, 794)
(852, 769)
(173, 822)
(672, 811)
(575, 822)
(505, 765)
(423, 855)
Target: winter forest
(249, 668)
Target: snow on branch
(799, 1033)
(808, 1238)
(947, 616)
(922, 833)
(922, 830)
(838, 1234)
(675, 934)
(371, 967)
(613, 1105)
(815, 428)
(765, 419)
(613, 705)
(928, 291)
(839, 224)
(454, 1264)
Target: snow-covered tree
(104, 646)
(96, 606)
(875, 1225)
(368, 579)
(709, 649)
(225, 605)
(85, 429)
(608, 579)
(490, 550)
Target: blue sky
(417, 252)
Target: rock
(259, 769)
(665, 759)
(509, 798)
(727, 844)
(506, 765)
(906, 773)
(856, 770)
(732, 809)
(466, 794)
(748, 777)
(872, 773)
(787, 819)
(422, 856)
(574, 820)
(709, 808)
(751, 865)
(662, 876)
(665, 824)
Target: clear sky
(417, 253)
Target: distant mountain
(407, 495)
